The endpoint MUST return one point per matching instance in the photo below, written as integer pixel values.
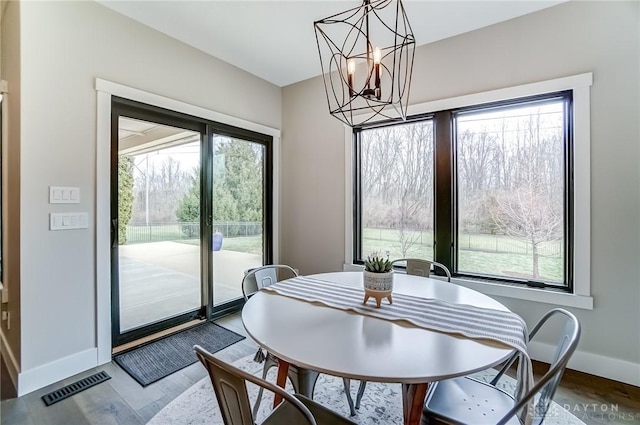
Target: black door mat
(75, 388)
(155, 360)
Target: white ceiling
(275, 40)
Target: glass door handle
(114, 232)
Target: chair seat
(287, 414)
(465, 401)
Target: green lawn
(248, 244)
(485, 254)
(476, 242)
(479, 253)
(505, 264)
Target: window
(511, 174)
(396, 187)
(500, 177)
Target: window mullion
(444, 209)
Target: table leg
(413, 396)
(303, 380)
(281, 381)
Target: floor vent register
(74, 388)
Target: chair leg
(268, 364)
(347, 390)
(361, 388)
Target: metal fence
(468, 241)
(155, 232)
(505, 244)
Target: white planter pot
(378, 281)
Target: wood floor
(121, 400)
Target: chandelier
(366, 54)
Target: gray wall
(572, 38)
(65, 46)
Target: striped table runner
(503, 327)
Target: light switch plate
(64, 195)
(68, 221)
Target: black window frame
(445, 189)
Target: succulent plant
(376, 263)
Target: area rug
(151, 362)
(381, 404)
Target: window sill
(527, 294)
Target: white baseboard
(41, 376)
(594, 364)
(10, 359)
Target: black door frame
(207, 129)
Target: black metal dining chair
(420, 267)
(469, 401)
(229, 384)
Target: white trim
(582, 191)
(105, 89)
(528, 294)
(103, 228)
(10, 359)
(594, 364)
(559, 84)
(126, 92)
(55, 371)
(580, 85)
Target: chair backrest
(419, 267)
(546, 386)
(229, 385)
(260, 277)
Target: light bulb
(351, 67)
(377, 55)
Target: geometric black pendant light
(366, 54)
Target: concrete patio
(162, 279)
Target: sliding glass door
(191, 212)
(239, 214)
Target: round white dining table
(355, 346)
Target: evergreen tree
(237, 187)
(241, 182)
(188, 210)
(125, 196)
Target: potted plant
(378, 278)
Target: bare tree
(397, 180)
(477, 155)
(528, 213)
(531, 208)
(158, 189)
